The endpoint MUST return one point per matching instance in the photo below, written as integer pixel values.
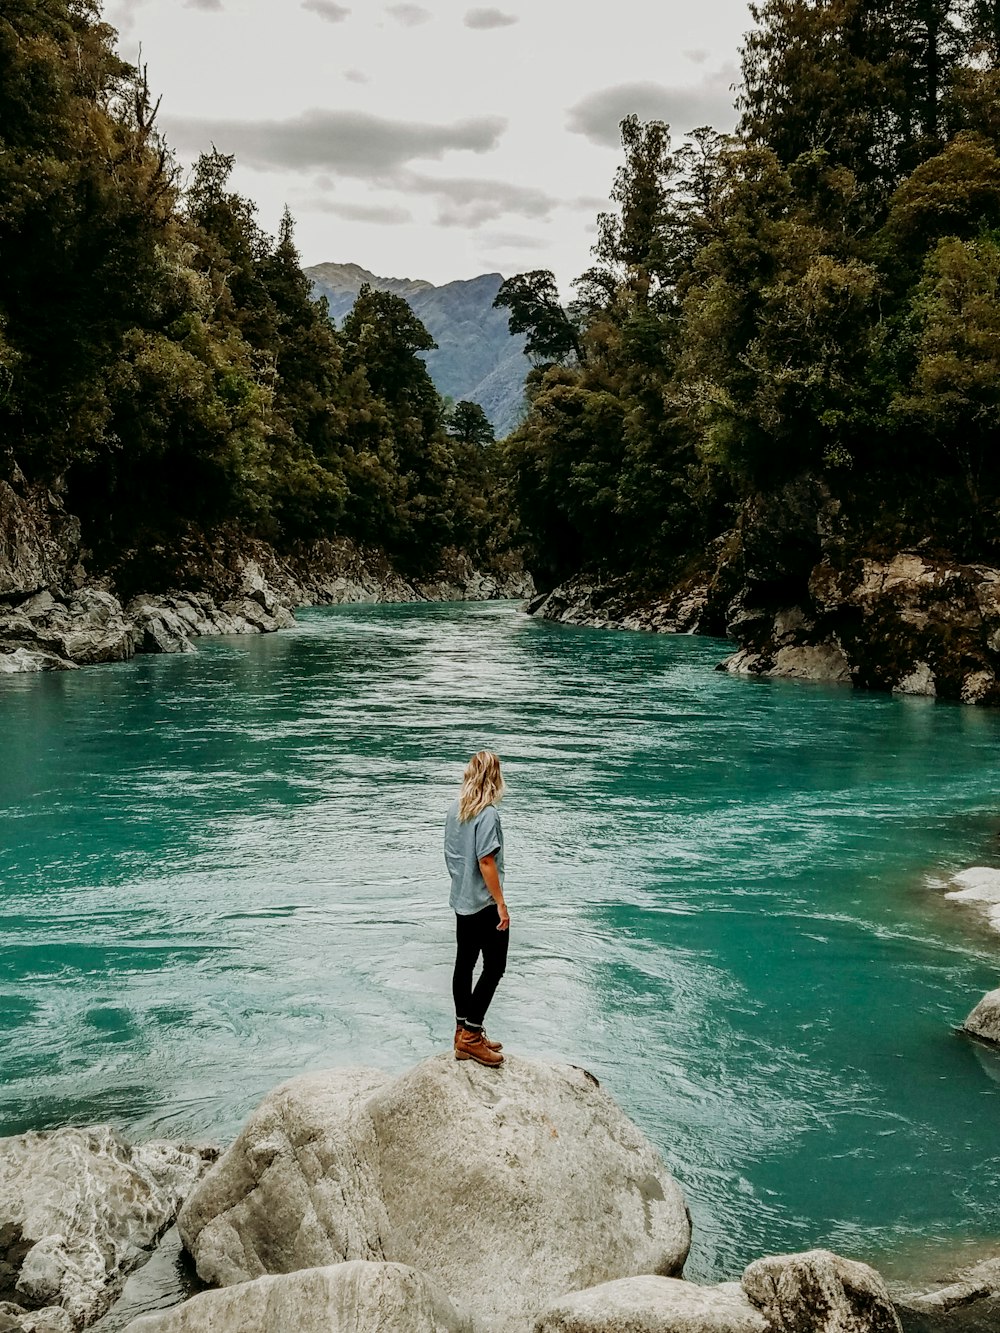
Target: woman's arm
(491, 877)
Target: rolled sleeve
(487, 833)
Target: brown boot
(493, 1045)
(471, 1046)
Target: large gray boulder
(970, 1303)
(650, 1304)
(820, 1292)
(984, 1021)
(355, 1297)
(530, 1178)
(80, 1208)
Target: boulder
(20, 660)
(95, 628)
(159, 628)
(79, 1208)
(820, 1292)
(650, 1304)
(984, 1021)
(354, 1297)
(530, 1176)
(15, 1319)
(969, 1303)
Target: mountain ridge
(477, 358)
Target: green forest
(161, 359)
(815, 297)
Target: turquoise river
(218, 870)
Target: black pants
(477, 934)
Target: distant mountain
(476, 358)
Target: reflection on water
(220, 870)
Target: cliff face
(807, 595)
(40, 544)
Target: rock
(819, 1292)
(39, 541)
(95, 628)
(968, 1304)
(919, 681)
(78, 1209)
(15, 1319)
(354, 1297)
(984, 1021)
(682, 610)
(979, 885)
(25, 659)
(650, 1304)
(159, 629)
(529, 1175)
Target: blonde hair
(482, 784)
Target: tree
(535, 310)
(468, 423)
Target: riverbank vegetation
(816, 296)
(161, 359)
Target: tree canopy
(161, 356)
(814, 295)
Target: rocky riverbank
(805, 598)
(450, 1199)
(55, 614)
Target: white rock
(83, 1206)
(25, 659)
(650, 1304)
(920, 681)
(530, 1176)
(979, 885)
(820, 1292)
(984, 1021)
(356, 1297)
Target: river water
(220, 870)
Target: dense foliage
(160, 356)
(818, 295)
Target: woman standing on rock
(473, 853)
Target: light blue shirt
(464, 846)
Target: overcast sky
(439, 139)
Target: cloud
(383, 215)
(684, 108)
(409, 15)
(210, 6)
(327, 10)
(469, 201)
(351, 143)
(697, 56)
(489, 18)
(122, 15)
(356, 76)
(511, 240)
